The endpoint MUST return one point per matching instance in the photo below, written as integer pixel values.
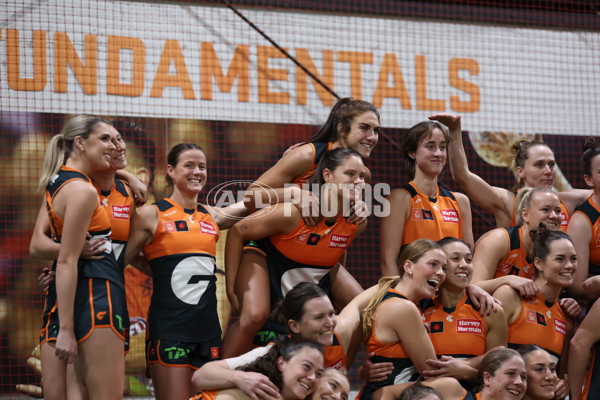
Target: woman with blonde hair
(85, 316)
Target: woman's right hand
(525, 287)
(66, 346)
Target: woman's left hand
(483, 300)
(570, 307)
(561, 390)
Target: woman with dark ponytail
(295, 251)
(584, 226)
(179, 238)
(539, 319)
(421, 208)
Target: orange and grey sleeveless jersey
(459, 331)
(431, 217)
(404, 370)
(591, 211)
(516, 261)
(591, 388)
(318, 149)
(306, 254)
(541, 323)
(564, 216)
(119, 205)
(99, 227)
(181, 255)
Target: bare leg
(101, 365)
(171, 383)
(252, 288)
(54, 373)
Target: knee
(253, 318)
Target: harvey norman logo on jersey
(130, 59)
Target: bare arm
(467, 218)
(41, 245)
(78, 199)
(268, 188)
(497, 201)
(574, 197)
(278, 219)
(143, 226)
(226, 217)
(580, 350)
(580, 231)
(511, 303)
(138, 188)
(217, 375)
(497, 330)
(490, 249)
(391, 230)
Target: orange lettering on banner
(13, 61)
(65, 53)
(113, 66)
(355, 58)
(468, 64)
(390, 66)
(424, 103)
(172, 54)
(239, 68)
(303, 56)
(266, 74)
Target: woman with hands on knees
(85, 317)
(533, 163)
(584, 227)
(539, 319)
(295, 251)
(421, 208)
(178, 237)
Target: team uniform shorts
(182, 354)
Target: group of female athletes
(431, 318)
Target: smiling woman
(502, 376)
(179, 238)
(421, 209)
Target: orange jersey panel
(431, 218)
(541, 323)
(591, 211)
(459, 332)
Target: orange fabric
(458, 332)
(539, 323)
(591, 211)
(429, 219)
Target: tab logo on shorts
(560, 326)
(469, 326)
(121, 212)
(337, 241)
(450, 216)
(208, 228)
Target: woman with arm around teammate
(533, 163)
(584, 227)
(85, 312)
(296, 251)
(178, 237)
(421, 209)
(539, 319)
